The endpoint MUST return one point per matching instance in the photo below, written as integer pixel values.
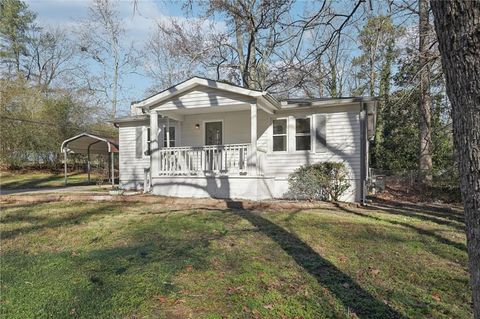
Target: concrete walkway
(48, 190)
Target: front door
(213, 133)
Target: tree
(102, 41)
(51, 54)
(425, 100)
(16, 20)
(456, 25)
(178, 50)
(374, 65)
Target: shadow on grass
(419, 230)
(43, 182)
(441, 215)
(40, 222)
(105, 283)
(350, 293)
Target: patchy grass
(37, 179)
(109, 259)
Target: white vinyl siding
(131, 168)
(342, 130)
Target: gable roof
(195, 81)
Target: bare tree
(456, 25)
(102, 38)
(51, 55)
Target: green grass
(138, 260)
(38, 179)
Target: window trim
(286, 135)
(311, 150)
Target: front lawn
(139, 260)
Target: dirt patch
(183, 203)
(404, 191)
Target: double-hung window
(280, 135)
(303, 134)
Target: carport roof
(86, 142)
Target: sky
(138, 24)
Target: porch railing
(229, 159)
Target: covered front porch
(207, 138)
(214, 141)
(206, 154)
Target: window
(138, 142)
(279, 135)
(302, 134)
(146, 141)
(171, 130)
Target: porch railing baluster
(211, 159)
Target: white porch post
(154, 147)
(253, 140)
(167, 131)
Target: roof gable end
(191, 84)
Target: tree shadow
(40, 223)
(349, 292)
(419, 230)
(43, 182)
(105, 282)
(435, 211)
(421, 215)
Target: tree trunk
(384, 93)
(333, 77)
(425, 100)
(457, 25)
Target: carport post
(88, 162)
(65, 164)
(113, 168)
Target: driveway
(48, 190)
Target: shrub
(322, 181)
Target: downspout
(363, 152)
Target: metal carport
(86, 143)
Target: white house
(203, 138)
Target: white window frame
(286, 135)
(309, 117)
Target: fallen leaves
(268, 306)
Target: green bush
(322, 181)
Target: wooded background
(56, 82)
